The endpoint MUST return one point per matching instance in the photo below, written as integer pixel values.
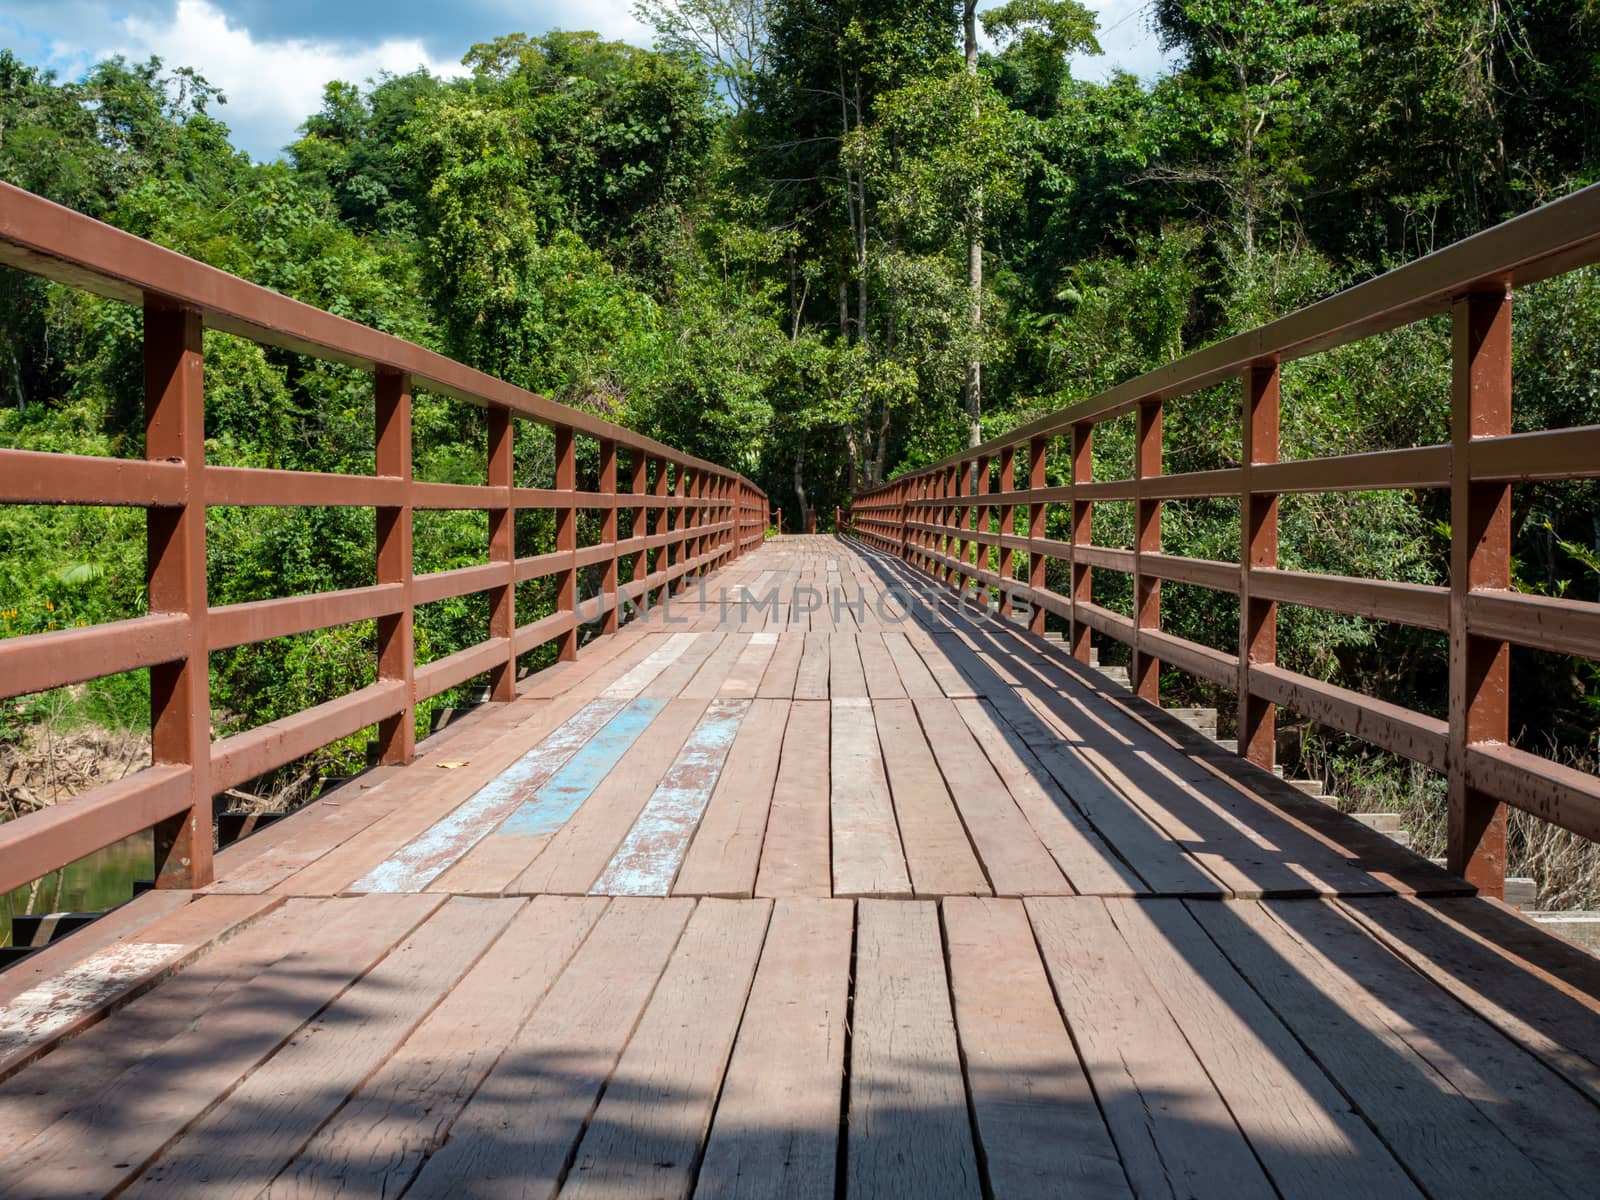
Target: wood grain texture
(1446, 1143)
(777, 1124)
(238, 1147)
(375, 1144)
(1039, 1125)
(517, 1133)
(909, 1133)
(1302, 1129)
(1174, 1131)
(938, 851)
(573, 857)
(97, 1147)
(648, 1129)
(796, 852)
(867, 856)
(726, 850)
(647, 861)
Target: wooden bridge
(804, 874)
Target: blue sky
(271, 57)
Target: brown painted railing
(939, 519)
(704, 515)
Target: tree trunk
(800, 486)
(972, 385)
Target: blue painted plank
(555, 802)
(425, 858)
(648, 860)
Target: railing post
(1480, 560)
(947, 518)
(397, 659)
(502, 549)
(901, 493)
(1008, 525)
(1146, 673)
(679, 527)
(661, 527)
(608, 534)
(567, 538)
(1038, 577)
(180, 692)
(1258, 525)
(966, 485)
(1082, 535)
(980, 517)
(639, 526)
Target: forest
(823, 242)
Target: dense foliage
(757, 241)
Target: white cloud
(271, 86)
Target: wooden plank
(1301, 1127)
(1261, 838)
(57, 1006)
(796, 852)
(938, 853)
(1015, 860)
(96, 1149)
(846, 679)
(915, 677)
(1539, 990)
(646, 1133)
(1038, 1123)
(744, 680)
(777, 1123)
(1164, 864)
(883, 681)
(909, 1130)
(707, 681)
(811, 681)
(517, 1133)
(239, 1146)
(120, 924)
(431, 794)
(1174, 1132)
(1445, 1142)
(647, 862)
(376, 1143)
(726, 850)
(554, 801)
(644, 673)
(671, 682)
(572, 858)
(436, 850)
(779, 680)
(89, 1061)
(1514, 1089)
(867, 856)
(1090, 866)
(935, 657)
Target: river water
(102, 880)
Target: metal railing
(939, 519)
(691, 514)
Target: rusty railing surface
(935, 516)
(703, 516)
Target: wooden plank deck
(783, 892)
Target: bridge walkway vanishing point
(762, 898)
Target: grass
(1564, 866)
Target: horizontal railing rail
(950, 520)
(692, 515)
